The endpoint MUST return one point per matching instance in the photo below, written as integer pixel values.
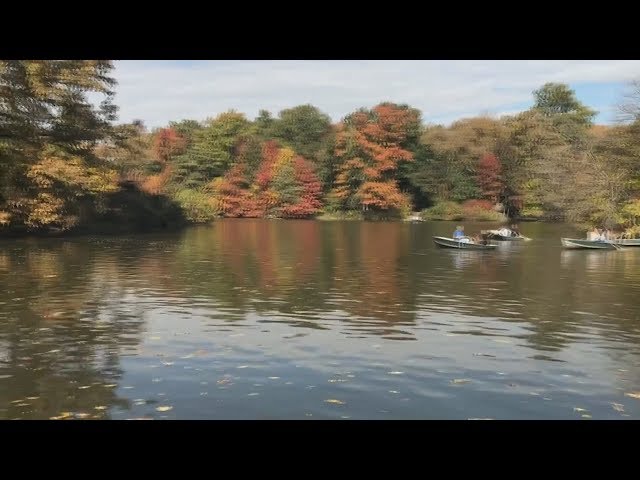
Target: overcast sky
(159, 91)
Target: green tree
(305, 129)
(212, 149)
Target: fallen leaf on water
(164, 408)
(100, 407)
(618, 407)
(459, 381)
(333, 400)
(578, 409)
(630, 394)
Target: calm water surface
(257, 319)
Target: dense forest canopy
(66, 165)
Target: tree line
(65, 164)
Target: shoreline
(114, 231)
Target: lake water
(259, 319)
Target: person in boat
(504, 232)
(459, 232)
(593, 234)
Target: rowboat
(465, 244)
(589, 244)
(626, 242)
(496, 235)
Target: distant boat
(464, 245)
(501, 236)
(626, 242)
(589, 244)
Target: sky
(160, 91)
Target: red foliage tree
(234, 198)
(167, 143)
(310, 198)
(489, 177)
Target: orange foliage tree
(369, 147)
(167, 142)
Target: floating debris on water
(334, 401)
(164, 408)
(618, 407)
(635, 395)
(460, 381)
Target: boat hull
(588, 244)
(627, 242)
(502, 238)
(452, 243)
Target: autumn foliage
(285, 186)
(167, 143)
(370, 145)
(489, 177)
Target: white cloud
(159, 91)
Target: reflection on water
(305, 319)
